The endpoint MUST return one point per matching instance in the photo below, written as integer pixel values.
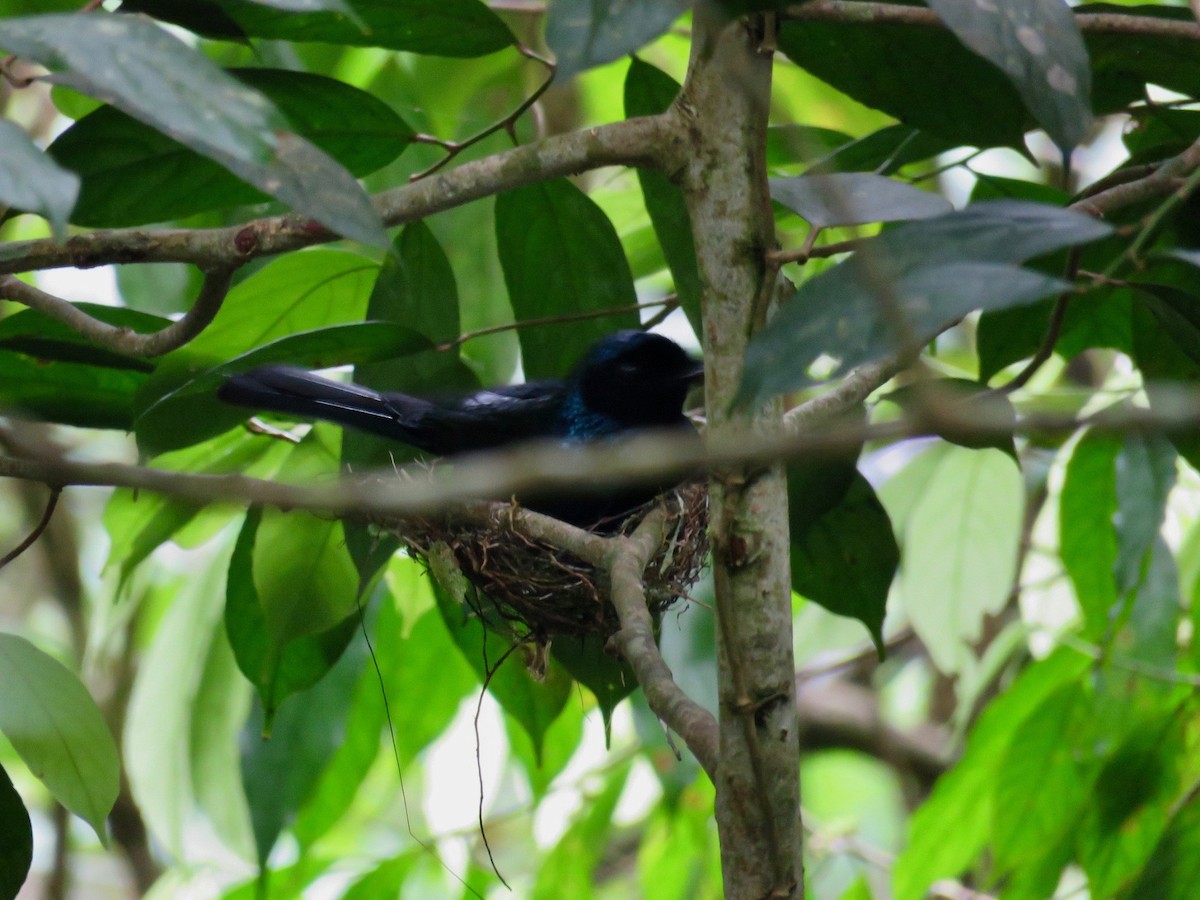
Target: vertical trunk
(723, 107)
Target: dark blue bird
(627, 381)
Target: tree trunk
(724, 107)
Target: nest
(543, 592)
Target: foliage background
(1032, 729)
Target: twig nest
(542, 591)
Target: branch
(124, 340)
(652, 142)
(1164, 180)
(635, 642)
(860, 13)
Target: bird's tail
(286, 389)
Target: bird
(626, 382)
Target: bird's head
(637, 377)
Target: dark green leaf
(385, 880)
(303, 661)
(132, 174)
(1164, 365)
(855, 198)
(68, 393)
(1125, 60)
(124, 60)
(456, 28)
(30, 181)
(649, 91)
(846, 559)
(1037, 44)
(962, 398)
(608, 677)
(309, 6)
(534, 705)
(586, 33)
(1178, 312)
(1145, 474)
(192, 413)
(560, 252)
(48, 340)
(16, 839)
(1087, 538)
(280, 771)
(1173, 871)
(884, 151)
(58, 731)
(933, 271)
(891, 69)
(205, 17)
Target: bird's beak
(695, 372)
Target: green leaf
(855, 198)
(161, 714)
(1087, 537)
(58, 731)
(953, 826)
(132, 174)
(30, 181)
(649, 91)
(193, 413)
(558, 747)
(609, 678)
(385, 880)
(960, 542)
(559, 251)
(584, 33)
(1042, 784)
(123, 59)
(68, 393)
(1173, 870)
(963, 398)
(891, 68)
(1145, 474)
(933, 271)
(534, 705)
(281, 771)
(16, 839)
(846, 560)
(457, 28)
(883, 152)
(138, 522)
(1037, 45)
(302, 662)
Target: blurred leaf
(933, 271)
(883, 152)
(58, 731)
(650, 91)
(1046, 751)
(123, 60)
(1145, 474)
(584, 33)
(302, 662)
(1172, 871)
(1087, 538)
(534, 705)
(193, 412)
(1135, 793)
(567, 871)
(1164, 365)
(138, 522)
(30, 181)
(953, 826)
(959, 544)
(280, 771)
(609, 678)
(16, 839)
(457, 28)
(385, 880)
(1037, 45)
(560, 252)
(960, 399)
(855, 198)
(173, 181)
(308, 6)
(559, 744)
(1177, 312)
(161, 711)
(159, 288)
(68, 393)
(846, 560)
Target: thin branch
(119, 339)
(855, 12)
(635, 642)
(41, 526)
(653, 141)
(1053, 330)
(1164, 180)
(454, 148)
(670, 303)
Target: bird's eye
(627, 367)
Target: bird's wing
(496, 417)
